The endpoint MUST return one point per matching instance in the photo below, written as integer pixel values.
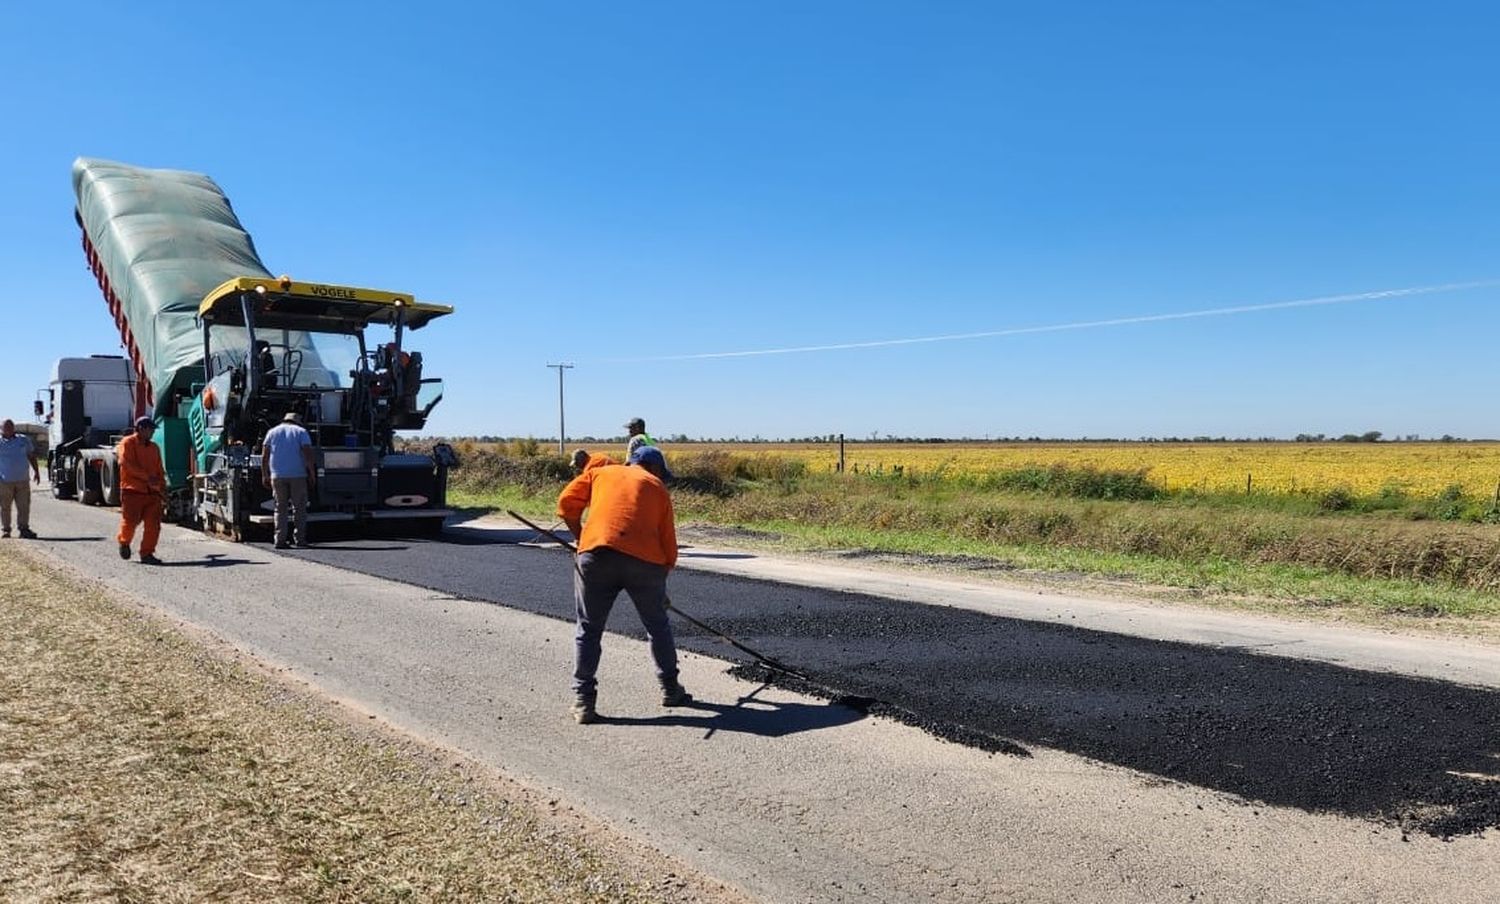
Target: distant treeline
(1369, 436)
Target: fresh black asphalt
(1403, 750)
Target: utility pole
(562, 433)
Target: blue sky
(621, 185)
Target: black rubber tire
(62, 488)
(109, 484)
(87, 483)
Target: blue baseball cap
(650, 456)
(144, 422)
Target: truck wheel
(61, 487)
(87, 483)
(109, 484)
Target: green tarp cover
(164, 239)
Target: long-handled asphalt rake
(764, 660)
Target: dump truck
(217, 351)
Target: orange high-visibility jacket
(629, 510)
(141, 469)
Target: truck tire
(109, 483)
(62, 486)
(86, 482)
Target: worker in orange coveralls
(143, 484)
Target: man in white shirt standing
(288, 469)
(16, 454)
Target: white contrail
(1084, 325)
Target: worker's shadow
(336, 547)
(748, 715)
(212, 560)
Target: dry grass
(1389, 554)
(135, 765)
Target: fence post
(1247, 484)
(841, 456)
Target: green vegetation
(1389, 553)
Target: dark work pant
(598, 579)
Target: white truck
(90, 405)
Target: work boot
(583, 712)
(27, 534)
(124, 550)
(149, 559)
(674, 694)
(5, 533)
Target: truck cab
(89, 405)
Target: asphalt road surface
(991, 757)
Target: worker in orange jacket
(629, 543)
(583, 459)
(143, 487)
